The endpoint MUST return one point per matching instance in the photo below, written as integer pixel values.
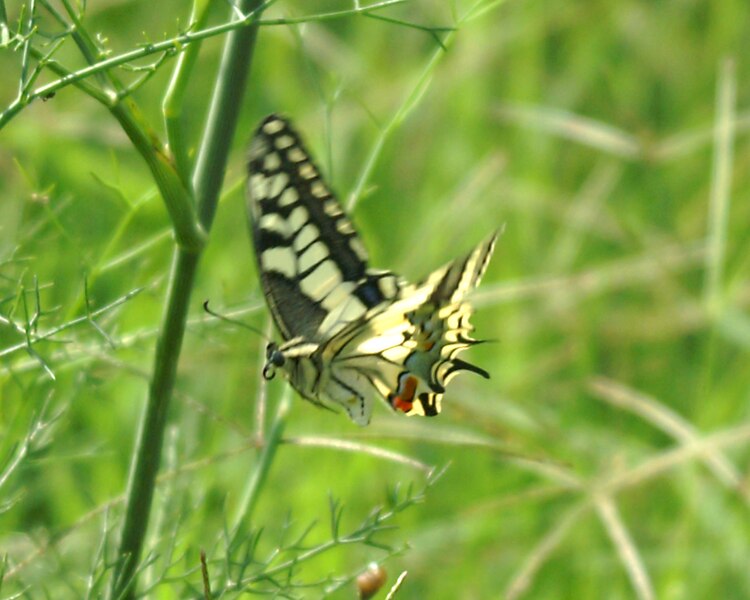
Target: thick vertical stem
(208, 177)
(222, 117)
(147, 452)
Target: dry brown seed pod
(369, 582)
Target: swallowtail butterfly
(350, 332)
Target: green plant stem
(49, 63)
(407, 105)
(189, 234)
(180, 205)
(255, 484)
(210, 166)
(85, 43)
(171, 45)
(174, 98)
(147, 454)
(721, 188)
(223, 113)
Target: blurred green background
(607, 455)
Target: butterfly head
(274, 358)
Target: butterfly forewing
(312, 263)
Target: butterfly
(350, 332)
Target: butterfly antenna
(234, 321)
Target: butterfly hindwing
(312, 263)
(408, 350)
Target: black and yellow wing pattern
(350, 332)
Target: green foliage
(605, 458)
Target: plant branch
(208, 176)
(189, 234)
(177, 198)
(173, 100)
(411, 100)
(176, 43)
(255, 484)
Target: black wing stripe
(276, 136)
(302, 236)
(305, 245)
(463, 275)
(298, 308)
